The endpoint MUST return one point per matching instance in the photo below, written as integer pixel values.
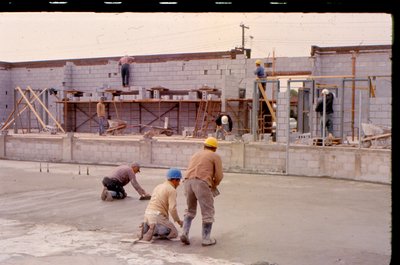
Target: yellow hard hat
(258, 62)
(211, 142)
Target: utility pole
(243, 27)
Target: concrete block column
(145, 151)
(67, 147)
(238, 155)
(282, 116)
(2, 146)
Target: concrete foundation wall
(335, 162)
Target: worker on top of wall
(125, 63)
(224, 126)
(101, 115)
(328, 111)
(162, 203)
(203, 175)
(260, 73)
(121, 176)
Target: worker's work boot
(148, 236)
(187, 222)
(106, 195)
(207, 241)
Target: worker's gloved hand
(145, 197)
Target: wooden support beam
(32, 99)
(31, 107)
(271, 110)
(44, 107)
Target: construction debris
(116, 127)
(376, 136)
(328, 141)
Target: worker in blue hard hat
(163, 202)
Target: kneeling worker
(163, 201)
(121, 176)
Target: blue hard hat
(174, 173)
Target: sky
(40, 36)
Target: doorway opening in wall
(299, 102)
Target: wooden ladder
(206, 114)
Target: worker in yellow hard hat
(203, 175)
(260, 73)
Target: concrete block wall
(380, 111)
(341, 162)
(225, 74)
(367, 64)
(255, 157)
(88, 78)
(38, 79)
(261, 158)
(292, 64)
(34, 148)
(191, 74)
(6, 94)
(87, 150)
(282, 64)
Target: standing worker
(125, 63)
(121, 176)
(224, 126)
(101, 115)
(163, 201)
(203, 175)
(328, 111)
(260, 73)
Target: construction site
(276, 155)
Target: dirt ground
(56, 217)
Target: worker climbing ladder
(205, 119)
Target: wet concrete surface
(57, 217)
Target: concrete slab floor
(57, 217)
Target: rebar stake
(79, 172)
(47, 167)
(87, 170)
(40, 166)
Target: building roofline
(348, 49)
(138, 58)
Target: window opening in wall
(205, 72)
(109, 75)
(230, 71)
(6, 92)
